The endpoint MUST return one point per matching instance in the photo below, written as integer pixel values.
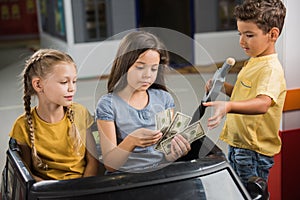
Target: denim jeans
(247, 163)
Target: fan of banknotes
(180, 124)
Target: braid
(73, 131)
(38, 65)
(37, 161)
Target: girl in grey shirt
(126, 114)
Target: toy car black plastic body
(210, 177)
(191, 177)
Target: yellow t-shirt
(260, 76)
(54, 145)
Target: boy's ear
(274, 33)
(37, 84)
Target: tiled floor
(187, 90)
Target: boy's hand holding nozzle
(213, 88)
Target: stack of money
(178, 125)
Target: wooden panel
(292, 100)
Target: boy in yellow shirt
(256, 100)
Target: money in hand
(193, 132)
(190, 133)
(179, 123)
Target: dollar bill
(165, 145)
(163, 120)
(179, 123)
(190, 133)
(193, 132)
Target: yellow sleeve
(19, 131)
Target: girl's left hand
(179, 147)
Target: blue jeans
(247, 163)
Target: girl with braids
(54, 136)
(126, 115)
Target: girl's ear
(37, 84)
(274, 33)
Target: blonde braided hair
(73, 131)
(40, 64)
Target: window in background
(53, 18)
(215, 15)
(89, 20)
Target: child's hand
(145, 137)
(220, 112)
(179, 147)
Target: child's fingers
(208, 104)
(184, 143)
(181, 145)
(213, 122)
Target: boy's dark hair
(266, 14)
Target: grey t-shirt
(127, 119)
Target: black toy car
(210, 177)
(191, 177)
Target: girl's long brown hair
(131, 47)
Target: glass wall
(214, 15)
(53, 18)
(96, 20)
(89, 20)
